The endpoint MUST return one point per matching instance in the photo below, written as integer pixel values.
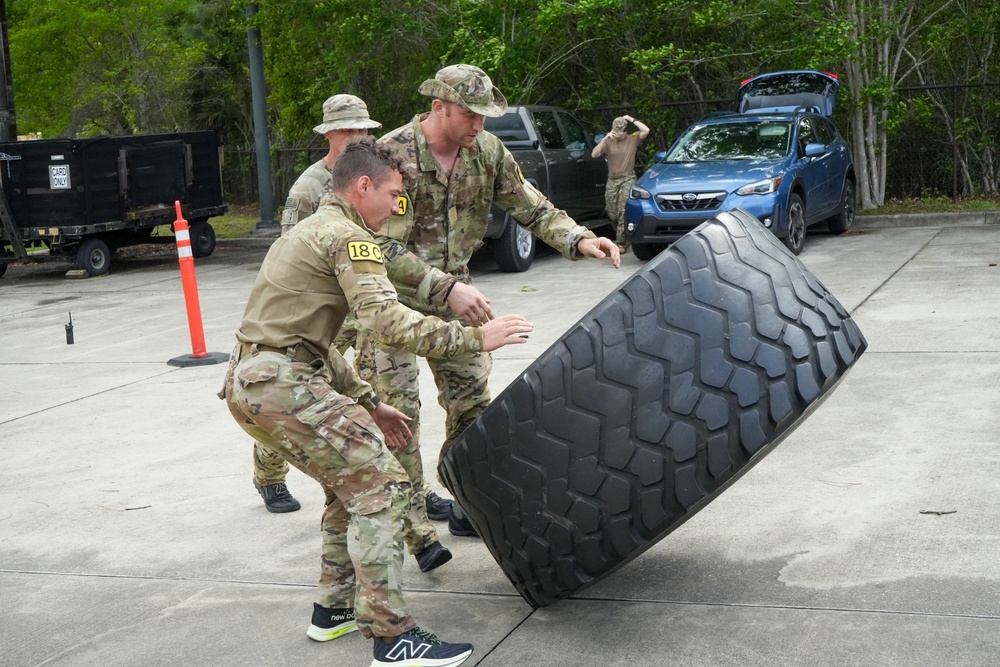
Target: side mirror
(815, 150)
(660, 156)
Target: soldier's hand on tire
(506, 330)
(470, 304)
(392, 423)
(600, 248)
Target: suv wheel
(844, 219)
(796, 236)
(647, 251)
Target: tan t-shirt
(621, 155)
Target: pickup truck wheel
(514, 249)
(94, 257)
(202, 238)
(4, 253)
(647, 251)
(650, 406)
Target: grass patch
(237, 223)
(932, 205)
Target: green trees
(114, 66)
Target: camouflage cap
(619, 124)
(468, 86)
(345, 112)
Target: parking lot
(130, 533)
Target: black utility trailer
(88, 197)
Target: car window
(807, 134)
(545, 121)
(508, 127)
(825, 131)
(576, 136)
(766, 140)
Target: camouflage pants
(268, 466)
(463, 392)
(290, 408)
(615, 196)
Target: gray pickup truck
(553, 150)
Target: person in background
(620, 146)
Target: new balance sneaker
(459, 524)
(329, 623)
(433, 557)
(438, 508)
(417, 648)
(276, 497)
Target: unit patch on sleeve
(364, 251)
(404, 203)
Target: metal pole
(267, 223)
(8, 121)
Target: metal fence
(943, 142)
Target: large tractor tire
(650, 406)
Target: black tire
(94, 257)
(3, 269)
(650, 406)
(3, 265)
(202, 238)
(844, 219)
(795, 239)
(647, 251)
(514, 249)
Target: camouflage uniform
(340, 112)
(442, 223)
(286, 391)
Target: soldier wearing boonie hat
(344, 118)
(450, 191)
(467, 86)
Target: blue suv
(778, 157)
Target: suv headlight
(765, 187)
(639, 193)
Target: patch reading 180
(364, 251)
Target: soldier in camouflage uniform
(454, 173)
(620, 146)
(283, 390)
(345, 117)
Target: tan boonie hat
(468, 86)
(619, 124)
(345, 112)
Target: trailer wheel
(202, 238)
(94, 257)
(514, 249)
(650, 406)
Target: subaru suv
(779, 157)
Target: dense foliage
(115, 66)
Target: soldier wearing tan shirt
(281, 390)
(345, 117)
(620, 146)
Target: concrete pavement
(130, 533)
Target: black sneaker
(460, 526)
(276, 497)
(433, 557)
(417, 648)
(438, 508)
(328, 623)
